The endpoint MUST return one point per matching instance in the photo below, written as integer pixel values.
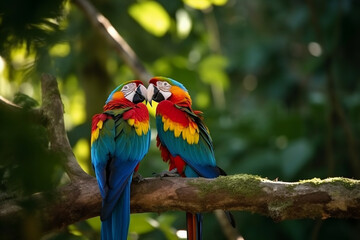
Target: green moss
(250, 185)
(314, 181)
(240, 184)
(345, 182)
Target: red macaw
(183, 139)
(120, 138)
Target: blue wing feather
(115, 154)
(199, 157)
(101, 149)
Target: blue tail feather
(116, 227)
(199, 218)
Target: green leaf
(151, 16)
(142, 223)
(198, 4)
(219, 2)
(204, 4)
(25, 101)
(166, 221)
(183, 23)
(95, 223)
(212, 71)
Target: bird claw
(137, 177)
(172, 173)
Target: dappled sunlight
(181, 234)
(60, 50)
(277, 85)
(7, 89)
(151, 16)
(21, 57)
(202, 100)
(183, 23)
(27, 89)
(315, 49)
(73, 99)
(204, 4)
(77, 110)
(2, 65)
(82, 154)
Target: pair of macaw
(120, 138)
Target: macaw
(183, 139)
(120, 138)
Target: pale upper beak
(150, 93)
(142, 90)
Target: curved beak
(140, 94)
(150, 93)
(153, 93)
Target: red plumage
(139, 112)
(168, 109)
(96, 118)
(174, 162)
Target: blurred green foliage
(263, 72)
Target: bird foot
(172, 173)
(137, 177)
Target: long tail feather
(106, 229)
(199, 218)
(191, 231)
(116, 227)
(194, 226)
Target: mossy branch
(315, 198)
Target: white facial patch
(164, 88)
(129, 91)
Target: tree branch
(315, 198)
(35, 114)
(114, 39)
(51, 116)
(52, 109)
(6, 104)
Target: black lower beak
(157, 97)
(138, 97)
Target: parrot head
(133, 91)
(163, 88)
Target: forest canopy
(277, 82)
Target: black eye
(126, 87)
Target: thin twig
(102, 25)
(230, 232)
(35, 114)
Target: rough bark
(315, 199)
(80, 199)
(53, 112)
